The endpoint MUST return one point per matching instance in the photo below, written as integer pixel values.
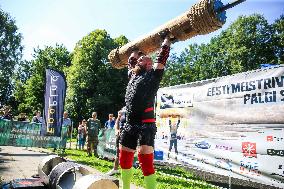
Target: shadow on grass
(96, 164)
(164, 181)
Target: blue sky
(47, 22)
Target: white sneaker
(112, 172)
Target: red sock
(125, 159)
(147, 163)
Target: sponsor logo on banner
(223, 147)
(203, 145)
(249, 149)
(273, 138)
(249, 168)
(269, 138)
(273, 152)
(176, 100)
(224, 163)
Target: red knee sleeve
(147, 163)
(125, 159)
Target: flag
(54, 98)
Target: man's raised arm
(163, 54)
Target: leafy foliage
(245, 45)
(30, 87)
(278, 39)
(10, 54)
(93, 84)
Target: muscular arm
(163, 54)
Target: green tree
(93, 84)
(10, 54)
(247, 43)
(30, 88)
(22, 74)
(278, 39)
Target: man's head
(110, 116)
(145, 63)
(37, 113)
(94, 115)
(65, 115)
(7, 109)
(84, 121)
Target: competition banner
(232, 125)
(107, 147)
(107, 144)
(17, 133)
(55, 92)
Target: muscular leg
(126, 156)
(128, 144)
(146, 160)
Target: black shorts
(136, 135)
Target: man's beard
(140, 70)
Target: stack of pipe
(57, 173)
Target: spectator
(37, 117)
(7, 113)
(93, 127)
(65, 130)
(110, 122)
(82, 134)
(22, 117)
(84, 124)
(120, 121)
(79, 135)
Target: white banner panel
(232, 125)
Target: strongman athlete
(140, 128)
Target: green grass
(173, 178)
(73, 139)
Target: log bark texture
(200, 19)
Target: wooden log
(96, 181)
(200, 19)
